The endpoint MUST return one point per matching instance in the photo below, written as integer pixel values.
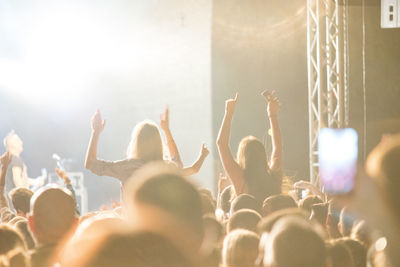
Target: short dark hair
(267, 223)
(10, 239)
(357, 250)
(307, 202)
(26, 234)
(338, 254)
(245, 201)
(244, 219)
(278, 202)
(225, 198)
(320, 213)
(21, 199)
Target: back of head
(383, 165)
(319, 213)
(21, 198)
(146, 143)
(226, 197)
(15, 258)
(308, 201)
(53, 214)
(140, 248)
(240, 249)
(208, 193)
(10, 239)
(244, 219)
(213, 229)
(293, 242)
(357, 250)
(6, 215)
(267, 223)
(207, 204)
(161, 189)
(338, 255)
(23, 228)
(245, 201)
(362, 233)
(278, 202)
(252, 158)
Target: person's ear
(31, 223)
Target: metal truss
(327, 83)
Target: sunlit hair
(9, 138)
(240, 249)
(252, 158)
(146, 143)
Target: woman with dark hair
(251, 172)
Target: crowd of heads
(165, 219)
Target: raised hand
(307, 185)
(273, 102)
(5, 160)
(63, 175)
(97, 122)
(164, 119)
(204, 151)
(223, 182)
(230, 104)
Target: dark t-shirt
(15, 162)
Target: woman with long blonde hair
(146, 146)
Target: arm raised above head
(172, 147)
(276, 162)
(231, 167)
(97, 127)
(195, 168)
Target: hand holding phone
(337, 152)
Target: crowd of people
(258, 217)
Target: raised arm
(231, 167)
(195, 168)
(5, 161)
(67, 182)
(172, 148)
(97, 127)
(276, 161)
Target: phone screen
(337, 152)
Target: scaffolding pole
(326, 92)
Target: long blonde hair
(146, 143)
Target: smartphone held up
(338, 153)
